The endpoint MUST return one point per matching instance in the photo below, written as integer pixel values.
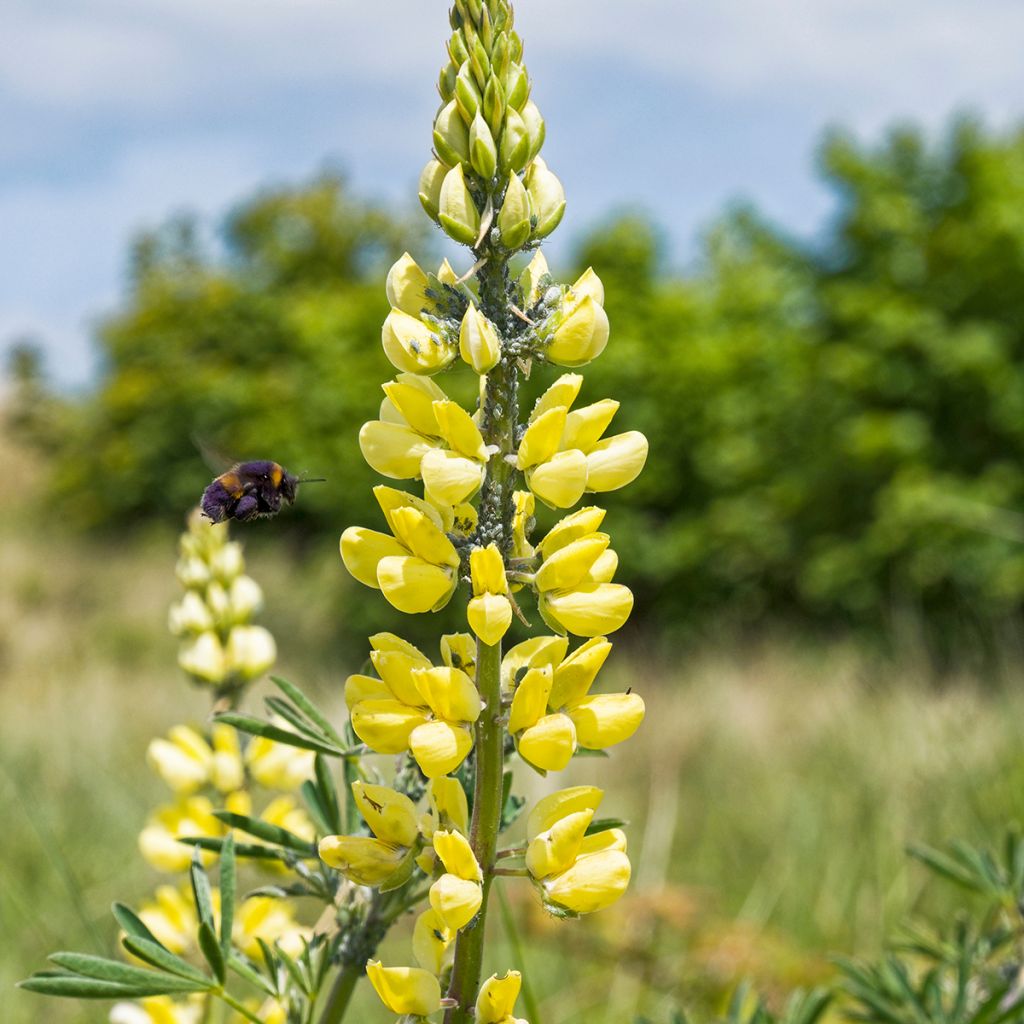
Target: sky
(116, 114)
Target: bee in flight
(251, 490)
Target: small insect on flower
(251, 490)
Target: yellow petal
(490, 616)
(432, 942)
(393, 450)
(448, 803)
(422, 537)
(459, 430)
(606, 719)
(540, 441)
(395, 668)
(457, 855)
(362, 550)
(522, 524)
(413, 585)
(588, 283)
(458, 650)
(391, 815)
(568, 566)
(530, 279)
(616, 461)
(584, 427)
(592, 883)
(533, 653)
(412, 346)
(581, 336)
(406, 286)
(455, 900)
(385, 725)
(361, 859)
(561, 481)
(408, 990)
(478, 341)
(449, 477)
(589, 611)
(561, 394)
(359, 688)
(579, 524)
(555, 850)
(559, 804)
(487, 570)
(439, 747)
(550, 744)
(576, 674)
(603, 570)
(386, 642)
(413, 397)
(449, 692)
(391, 499)
(530, 701)
(497, 998)
(608, 839)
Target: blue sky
(117, 113)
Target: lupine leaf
(328, 793)
(157, 955)
(114, 971)
(210, 948)
(309, 709)
(258, 727)
(201, 891)
(267, 832)
(227, 893)
(75, 986)
(248, 850)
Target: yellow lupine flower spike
(489, 611)
(405, 990)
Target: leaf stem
(341, 994)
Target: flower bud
(467, 95)
(514, 217)
(189, 615)
(547, 196)
(431, 180)
(534, 279)
(457, 210)
(446, 81)
(483, 154)
(406, 286)
(514, 146)
(412, 346)
(493, 105)
(244, 598)
(451, 136)
(204, 658)
(478, 341)
(534, 128)
(581, 336)
(192, 572)
(517, 87)
(250, 650)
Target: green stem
(490, 760)
(239, 1008)
(341, 994)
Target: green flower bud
(486, 30)
(514, 218)
(451, 136)
(446, 81)
(514, 147)
(479, 62)
(467, 95)
(500, 61)
(547, 196)
(457, 49)
(494, 105)
(534, 128)
(457, 210)
(534, 278)
(483, 154)
(517, 86)
(515, 46)
(430, 186)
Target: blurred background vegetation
(827, 549)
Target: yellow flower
(563, 454)
(535, 279)
(414, 705)
(574, 582)
(456, 896)
(188, 816)
(157, 1010)
(553, 712)
(421, 434)
(269, 919)
(432, 942)
(414, 346)
(522, 523)
(186, 760)
(392, 820)
(547, 197)
(407, 285)
(171, 917)
(478, 341)
(497, 999)
(408, 990)
(489, 611)
(278, 765)
(415, 566)
(203, 657)
(581, 326)
(576, 873)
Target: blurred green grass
(771, 790)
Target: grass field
(771, 792)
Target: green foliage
(837, 429)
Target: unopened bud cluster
(220, 646)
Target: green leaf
(74, 986)
(328, 793)
(309, 709)
(293, 970)
(311, 796)
(201, 891)
(277, 706)
(267, 832)
(157, 955)
(248, 850)
(604, 824)
(241, 966)
(118, 973)
(227, 893)
(132, 924)
(210, 948)
(258, 727)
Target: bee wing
(213, 456)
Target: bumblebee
(251, 490)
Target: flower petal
(540, 441)
(392, 449)
(408, 990)
(579, 524)
(584, 427)
(616, 461)
(576, 674)
(592, 883)
(607, 718)
(362, 550)
(555, 850)
(450, 477)
(562, 802)
(550, 744)
(413, 585)
(590, 610)
(456, 900)
(568, 566)
(457, 855)
(490, 616)
(391, 815)
(530, 701)
(385, 725)
(361, 859)
(561, 481)
(439, 747)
